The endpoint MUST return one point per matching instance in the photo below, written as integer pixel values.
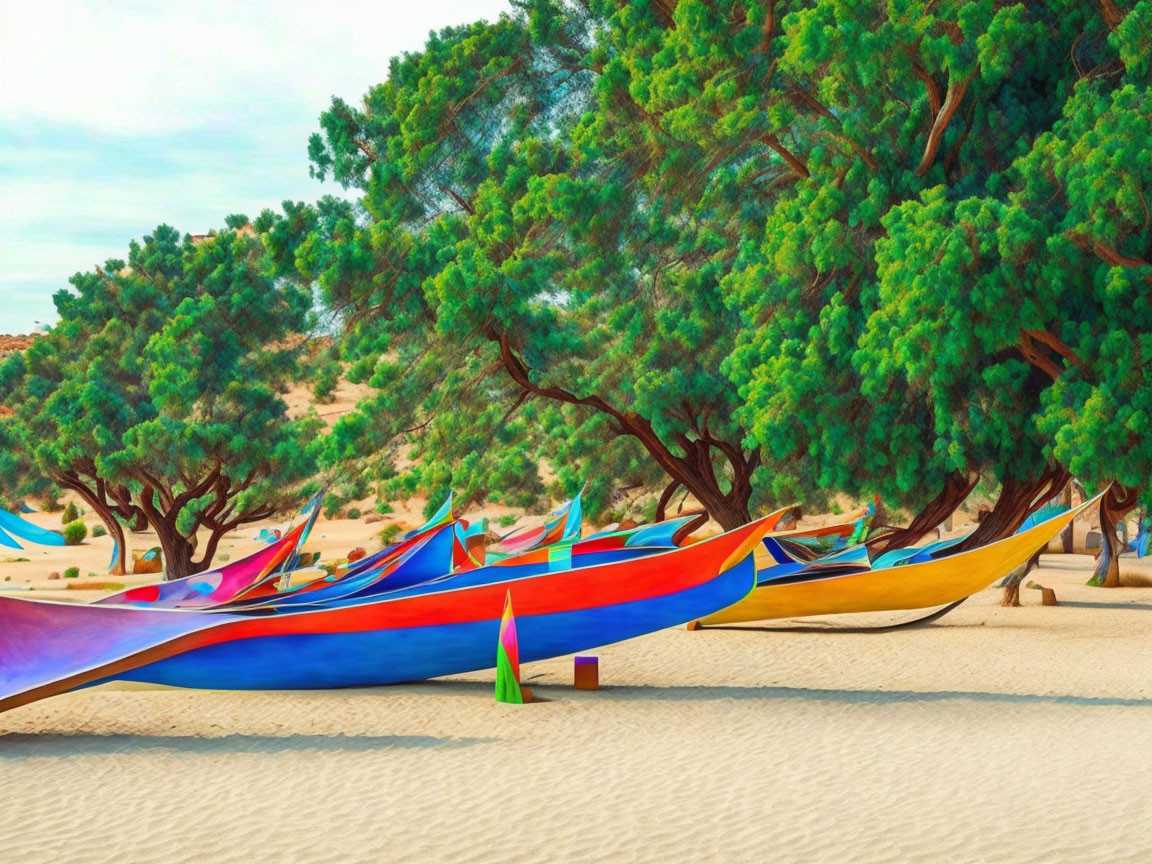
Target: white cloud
(164, 66)
(117, 116)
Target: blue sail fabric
(25, 530)
(441, 517)
(5, 540)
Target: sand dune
(993, 735)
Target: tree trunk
(1018, 499)
(694, 470)
(729, 510)
(665, 498)
(116, 531)
(957, 487)
(1011, 582)
(1066, 536)
(139, 522)
(1117, 503)
(94, 499)
(177, 550)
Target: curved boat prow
(49, 647)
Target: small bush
(98, 530)
(507, 520)
(324, 385)
(72, 573)
(75, 532)
(354, 513)
(388, 533)
(70, 514)
(331, 506)
(224, 556)
(383, 508)
(50, 501)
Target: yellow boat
(907, 586)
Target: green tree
(509, 254)
(782, 249)
(157, 396)
(1066, 244)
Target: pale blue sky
(117, 116)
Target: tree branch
(951, 103)
(797, 164)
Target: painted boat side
(395, 655)
(48, 648)
(910, 586)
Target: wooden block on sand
(1048, 597)
(694, 625)
(587, 673)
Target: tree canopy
(755, 252)
(783, 249)
(157, 396)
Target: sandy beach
(991, 735)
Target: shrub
(388, 532)
(354, 513)
(383, 508)
(71, 514)
(75, 532)
(507, 520)
(327, 378)
(98, 530)
(50, 501)
(72, 573)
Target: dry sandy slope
(993, 735)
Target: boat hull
(911, 586)
(396, 655)
(441, 628)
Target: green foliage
(70, 514)
(72, 573)
(384, 508)
(518, 295)
(332, 505)
(49, 499)
(713, 241)
(158, 392)
(507, 520)
(324, 381)
(99, 530)
(353, 513)
(75, 532)
(389, 532)
(761, 251)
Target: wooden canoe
(442, 628)
(909, 586)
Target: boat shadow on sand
(20, 745)
(865, 697)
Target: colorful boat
(441, 628)
(566, 527)
(251, 575)
(909, 582)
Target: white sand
(993, 735)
